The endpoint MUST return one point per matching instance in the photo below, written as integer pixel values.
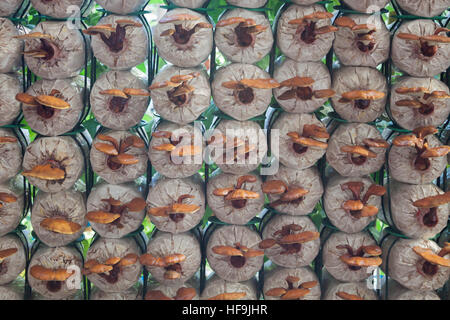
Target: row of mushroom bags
(334, 165)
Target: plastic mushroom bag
(9, 7)
(247, 3)
(237, 147)
(291, 284)
(419, 265)
(418, 157)
(352, 203)
(351, 257)
(118, 156)
(114, 211)
(181, 95)
(183, 37)
(9, 106)
(397, 292)
(303, 140)
(361, 93)
(182, 291)
(417, 102)
(57, 9)
(235, 199)
(10, 155)
(13, 291)
(362, 40)
(290, 241)
(421, 49)
(119, 99)
(122, 7)
(366, 6)
(219, 289)
(11, 206)
(112, 265)
(336, 290)
(59, 218)
(176, 205)
(305, 33)
(54, 51)
(176, 151)
(192, 4)
(244, 36)
(11, 48)
(294, 192)
(133, 293)
(242, 91)
(52, 107)
(53, 164)
(55, 273)
(233, 253)
(304, 87)
(418, 211)
(172, 259)
(424, 8)
(356, 149)
(119, 42)
(13, 258)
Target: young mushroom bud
(119, 42)
(244, 36)
(57, 9)
(361, 93)
(242, 91)
(183, 37)
(305, 33)
(180, 95)
(220, 289)
(421, 48)
(118, 156)
(10, 155)
(12, 258)
(119, 99)
(12, 48)
(53, 51)
(366, 6)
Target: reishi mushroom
(336, 290)
(12, 258)
(220, 289)
(185, 291)
(10, 155)
(11, 206)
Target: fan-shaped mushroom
(185, 291)
(115, 210)
(118, 156)
(417, 102)
(9, 7)
(57, 9)
(361, 93)
(52, 269)
(10, 155)
(421, 48)
(419, 265)
(336, 290)
(417, 158)
(291, 284)
(362, 40)
(11, 206)
(356, 150)
(237, 147)
(247, 3)
(9, 106)
(119, 42)
(11, 49)
(183, 37)
(176, 151)
(304, 87)
(244, 36)
(133, 293)
(191, 4)
(113, 265)
(172, 259)
(180, 95)
(294, 192)
(53, 164)
(305, 33)
(418, 211)
(176, 205)
(424, 8)
(303, 140)
(53, 51)
(233, 253)
(352, 203)
(242, 91)
(59, 218)
(119, 99)
(52, 107)
(290, 241)
(12, 258)
(122, 7)
(219, 289)
(397, 292)
(366, 6)
(235, 199)
(351, 257)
